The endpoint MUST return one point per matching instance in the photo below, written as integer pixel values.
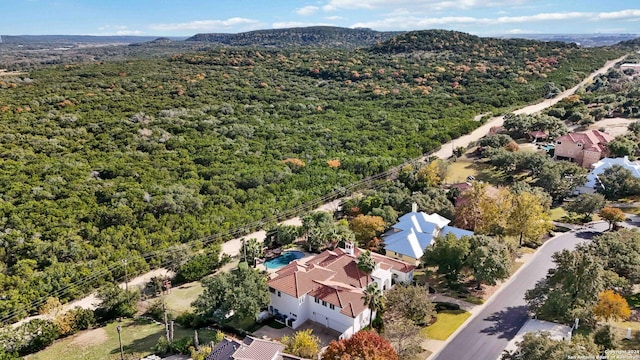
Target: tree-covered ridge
(315, 36)
(112, 160)
(461, 43)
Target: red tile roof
(334, 277)
(589, 137)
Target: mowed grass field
(181, 297)
(448, 322)
(138, 336)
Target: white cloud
(431, 5)
(333, 18)
(520, 31)
(209, 25)
(290, 24)
(414, 22)
(120, 30)
(307, 10)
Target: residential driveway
(487, 334)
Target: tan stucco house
(584, 148)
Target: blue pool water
(548, 147)
(283, 259)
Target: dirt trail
(232, 247)
(447, 149)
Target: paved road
(489, 332)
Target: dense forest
(314, 36)
(113, 160)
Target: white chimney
(348, 247)
(414, 207)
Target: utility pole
(119, 328)
(126, 277)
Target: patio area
(325, 334)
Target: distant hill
(629, 44)
(76, 39)
(585, 40)
(453, 41)
(318, 36)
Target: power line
(366, 182)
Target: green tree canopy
(618, 182)
(449, 254)
(586, 204)
(410, 302)
(242, 291)
(570, 291)
(490, 259)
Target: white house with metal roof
(414, 232)
(599, 168)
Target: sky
(188, 17)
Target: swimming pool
(283, 259)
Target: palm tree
(372, 297)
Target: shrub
(156, 312)
(191, 320)
(441, 306)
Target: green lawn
(138, 336)
(459, 171)
(448, 322)
(182, 296)
(558, 213)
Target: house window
(559, 142)
(317, 300)
(579, 145)
(332, 307)
(279, 294)
(272, 290)
(324, 303)
(301, 300)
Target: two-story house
(328, 289)
(414, 232)
(584, 147)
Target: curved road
(487, 334)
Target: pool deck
(302, 260)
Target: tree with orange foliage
(366, 227)
(294, 164)
(612, 215)
(365, 345)
(334, 164)
(512, 146)
(611, 306)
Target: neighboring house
(598, 169)
(328, 289)
(249, 349)
(556, 332)
(538, 135)
(585, 147)
(414, 232)
(630, 66)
